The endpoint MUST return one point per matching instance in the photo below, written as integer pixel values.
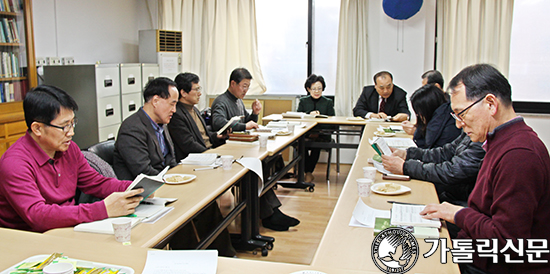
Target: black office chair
(105, 150)
(329, 151)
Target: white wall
(415, 41)
(91, 31)
(540, 124)
(405, 51)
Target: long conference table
(343, 249)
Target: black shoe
(280, 218)
(267, 223)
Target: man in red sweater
(511, 199)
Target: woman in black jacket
(315, 103)
(435, 126)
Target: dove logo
(395, 250)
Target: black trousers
(268, 202)
(312, 154)
(204, 223)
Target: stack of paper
(181, 261)
(200, 159)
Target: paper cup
(363, 187)
(123, 229)
(227, 161)
(263, 140)
(58, 268)
(291, 128)
(369, 172)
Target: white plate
(188, 178)
(385, 134)
(402, 189)
(79, 263)
(283, 133)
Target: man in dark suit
(187, 127)
(144, 145)
(382, 100)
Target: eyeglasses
(199, 89)
(66, 128)
(459, 116)
(316, 89)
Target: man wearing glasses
(187, 127)
(230, 103)
(40, 172)
(382, 100)
(511, 199)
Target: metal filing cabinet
(96, 89)
(130, 89)
(148, 73)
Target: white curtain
(473, 31)
(218, 36)
(351, 70)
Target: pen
(401, 203)
(205, 168)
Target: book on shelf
(14, 31)
(11, 5)
(14, 91)
(7, 31)
(419, 232)
(10, 65)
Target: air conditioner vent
(169, 41)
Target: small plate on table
(389, 188)
(176, 178)
(283, 133)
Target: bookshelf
(17, 67)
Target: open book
(229, 123)
(418, 231)
(380, 146)
(149, 183)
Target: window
(283, 43)
(529, 55)
(326, 14)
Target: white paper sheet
(255, 165)
(181, 262)
(364, 215)
(402, 214)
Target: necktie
(382, 105)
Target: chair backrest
(102, 167)
(105, 150)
